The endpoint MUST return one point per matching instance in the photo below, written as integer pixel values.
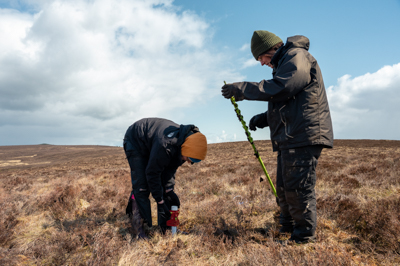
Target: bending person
(155, 148)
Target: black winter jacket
(159, 141)
(298, 112)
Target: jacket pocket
(284, 121)
(299, 171)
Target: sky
(80, 72)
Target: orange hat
(195, 146)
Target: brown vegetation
(65, 205)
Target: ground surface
(65, 205)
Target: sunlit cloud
(367, 106)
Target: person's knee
(142, 196)
(302, 205)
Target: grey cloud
(82, 69)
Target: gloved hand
(229, 90)
(163, 210)
(258, 121)
(173, 198)
(163, 215)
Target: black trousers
(141, 191)
(295, 181)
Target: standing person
(155, 148)
(300, 124)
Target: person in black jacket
(299, 120)
(155, 148)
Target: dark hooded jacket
(159, 141)
(298, 112)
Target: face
(265, 59)
(186, 159)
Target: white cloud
(367, 106)
(245, 47)
(247, 62)
(223, 137)
(91, 67)
(250, 63)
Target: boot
(135, 219)
(285, 219)
(304, 212)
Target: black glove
(163, 215)
(163, 210)
(229, 90)
(173, 198)
(258, 121)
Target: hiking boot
(141, 234)
(302, 241)
(286, 230)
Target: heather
(65, 205)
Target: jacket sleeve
(168, 177)
(290, 77)
(159, 160)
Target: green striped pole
(250, 139)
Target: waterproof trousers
(295, 180)
(141, 191)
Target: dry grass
(65, 205)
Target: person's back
(301, 102)
(148, 132)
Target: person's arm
(168, 176)
(168, 183)
(291, 76)
(159, 159)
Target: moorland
(65, 205)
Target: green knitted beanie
(262, 41)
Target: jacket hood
(297, 41)
(184, 132)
